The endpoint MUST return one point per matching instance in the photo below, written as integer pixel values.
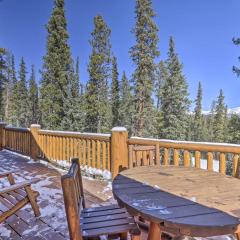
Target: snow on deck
(52, 221)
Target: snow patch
(203, 164)
(97, 172)
(119, 129)
(185, 142)
(107, 188)
(17, 154)
(4, 232)
(63, 163)
(75, 133)
(30, 230)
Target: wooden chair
(91, 223)
(22, 192)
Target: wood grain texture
(198, 202)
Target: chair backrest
(73, 198)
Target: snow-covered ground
(50, 199)
(203, 164)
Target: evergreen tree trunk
(143, 54)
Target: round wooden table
(185, 201)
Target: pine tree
(23, 104)
(115, 98)
(80, 86)
(175, 102)
(73, 118)
(236, 70)
(14, 107)
(7, 88)
(205, 129)
(219, 119)
(3, 80)
(198, 119)
(143, 54)
(161, 76)
(33, 99)
(97, 105)
(226, 129)
(234, 129)
(56, 72)
(76, 81)
(210, 122)
(126, 107)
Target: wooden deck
(52, 222)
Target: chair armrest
(5, 174)
(18, 186)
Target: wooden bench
(22, 192)
(90, 223)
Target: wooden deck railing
(18, 139)
(115, 152)
(93, 150)
(212, 156)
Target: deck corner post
(2, 135)
(119, 150)
(34, 128)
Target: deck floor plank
(52, 222)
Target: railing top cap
(185, 142)
(119, 129)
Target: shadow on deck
(52, 223)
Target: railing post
(2, 135)
(34, 140)
(119, 150)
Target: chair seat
(106, 220)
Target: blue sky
(202, 29)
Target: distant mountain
(230, 111)
(234, 110)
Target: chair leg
(11, 179)
(238, 236)
(32, 200)
(154, 231)
(135, 234)
(135, 237)
(124, 236)
(14, 209)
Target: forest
(152, 102)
